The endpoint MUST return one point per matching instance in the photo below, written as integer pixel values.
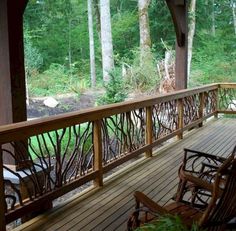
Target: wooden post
(181, 67)
(97, 142)
(217, 101)
(148, 138)
(12, 74)
(201, 107)
(179, 13)
(2, 195)
(180, 117)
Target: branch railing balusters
(122, 131)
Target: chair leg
(180, 190)
(134, 221)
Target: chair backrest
(222, 206)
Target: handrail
(29, 128)
(68, 150)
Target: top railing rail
(29, 128)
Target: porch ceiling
(108, 208)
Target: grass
(48, 144)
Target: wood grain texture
(23, 130)
(149, 130)
(97, 143)
(109, 208)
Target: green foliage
(115, 89)
(125, 32)
(57, 79)
(143, 77)
(213, 55)
(33, 59)
(168, 223)
(57, 28)
(214, 59)
(47, 144)
(57, 32)
(161, 27)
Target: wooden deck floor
(109, 207)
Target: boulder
(50, 102)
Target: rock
(232, 106)
(50, 102)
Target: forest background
(58, 46)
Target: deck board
(109, 208)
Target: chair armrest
(198, 182)
(211, 166)
(204, 154)
(193, 158)
(149, 203)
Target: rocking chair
(199, 165)
(213, 215)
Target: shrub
(143, 77)
(56, 80)
(168, 223)
(115, 89)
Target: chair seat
(186, 212)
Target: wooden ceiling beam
(18, 5)
(178, 12)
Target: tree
(91, 44)
(144, 29)
(233, 6)
(97, 14)
(191, 32)
(106, 39)
(213, 25)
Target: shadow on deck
(109, 207)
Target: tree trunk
(69, 47)
(233, 6)
(192, 24)
(213, 25)
(106, 39)
(91, 44)
(144, 29)
(97, 14)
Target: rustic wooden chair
(215, 216)
(196, 165)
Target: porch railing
(61, 153)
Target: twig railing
(63, 152)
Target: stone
(50, 102)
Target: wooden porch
(108, 207)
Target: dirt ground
(67, 103)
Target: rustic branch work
(63, 152)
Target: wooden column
(180, 118)
(201, 107)
(179, 13)
(12, 74)
(2, 196)
(148, 130)
(97, 142)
